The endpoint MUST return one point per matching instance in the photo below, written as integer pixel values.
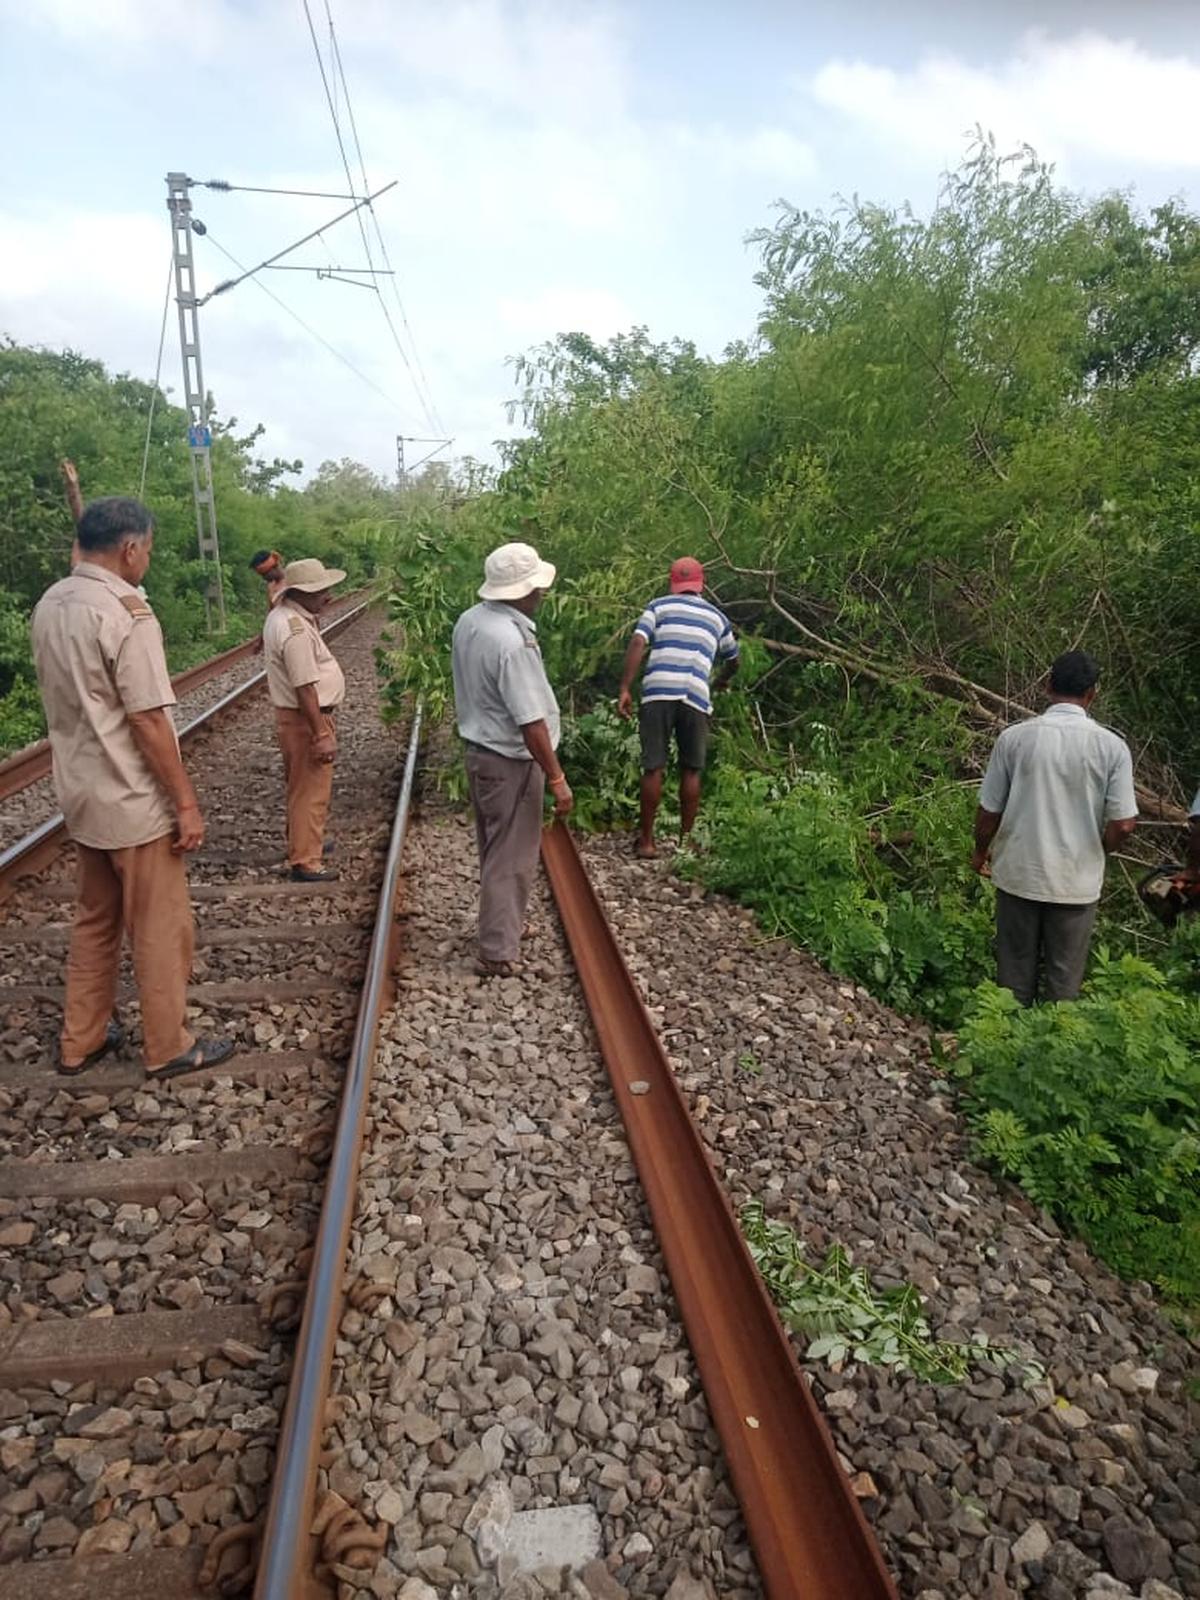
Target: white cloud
(1075, 98)
(765, 152)
(536, 318)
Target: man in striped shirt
(685, 636)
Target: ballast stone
(557, 1536)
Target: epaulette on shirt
(136, 606)
(295, 625)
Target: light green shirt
(1056, 780)
(500, 684)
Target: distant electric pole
(195, 396)
(411, 438)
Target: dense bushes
(1094, 1108)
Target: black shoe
(204, 1053)
(328, 847)
(303, 875)
(114, 1038)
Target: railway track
(157, 1237)
(155, 1421)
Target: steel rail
(26, 766)
(285, 1564)
(809, 1535)
(38, 848)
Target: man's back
(1057, 779)
(500, 683)
(98, 651)
(686, 635)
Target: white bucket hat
(310, 576)
(514, 571)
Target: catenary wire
(428, 402)
(162, 335)
(309, 329)
(421, 392)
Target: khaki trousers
(507, 797)
(1033, 934)
(143, 891)
(309, 788)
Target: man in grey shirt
(508, 718)
(1056, 798)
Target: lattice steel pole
(195, 396)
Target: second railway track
(156, 1238)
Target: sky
(559, 165)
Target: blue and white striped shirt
(686, 635)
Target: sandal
(204, 1053)
(499, 969)
(114, 1038)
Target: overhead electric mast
(195, 396)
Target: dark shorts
(658, 720)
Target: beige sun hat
(310, 576)
(513, 571)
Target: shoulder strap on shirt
(295, 625)
(135, 605)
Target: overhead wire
(162, 336)
(308, 328)
(356, 208)
(431, 407)
(419, 381)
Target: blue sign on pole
(199, 436)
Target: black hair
(1074, 673)
(106, 522)
(259, 557)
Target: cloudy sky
(559, 166)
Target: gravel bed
(29, 1029)
(52, 1124)
(526, 1353)
(823, 1104)
(221, 1247)
(92, 1470)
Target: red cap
(687, 576)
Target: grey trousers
(1030, 933)
(507, 799)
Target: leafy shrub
(1094, 1108)
(800, 853)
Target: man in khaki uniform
(128, 803)
(306, 687)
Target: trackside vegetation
(956, 446)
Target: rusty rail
(809, 1535)
(38, 848)
(285, 1565)
(26, 766)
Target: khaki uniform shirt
(295, 655)
(1056, 779)
(98, 650)
(500, 684)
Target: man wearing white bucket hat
(508, 718)
(306, 686)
